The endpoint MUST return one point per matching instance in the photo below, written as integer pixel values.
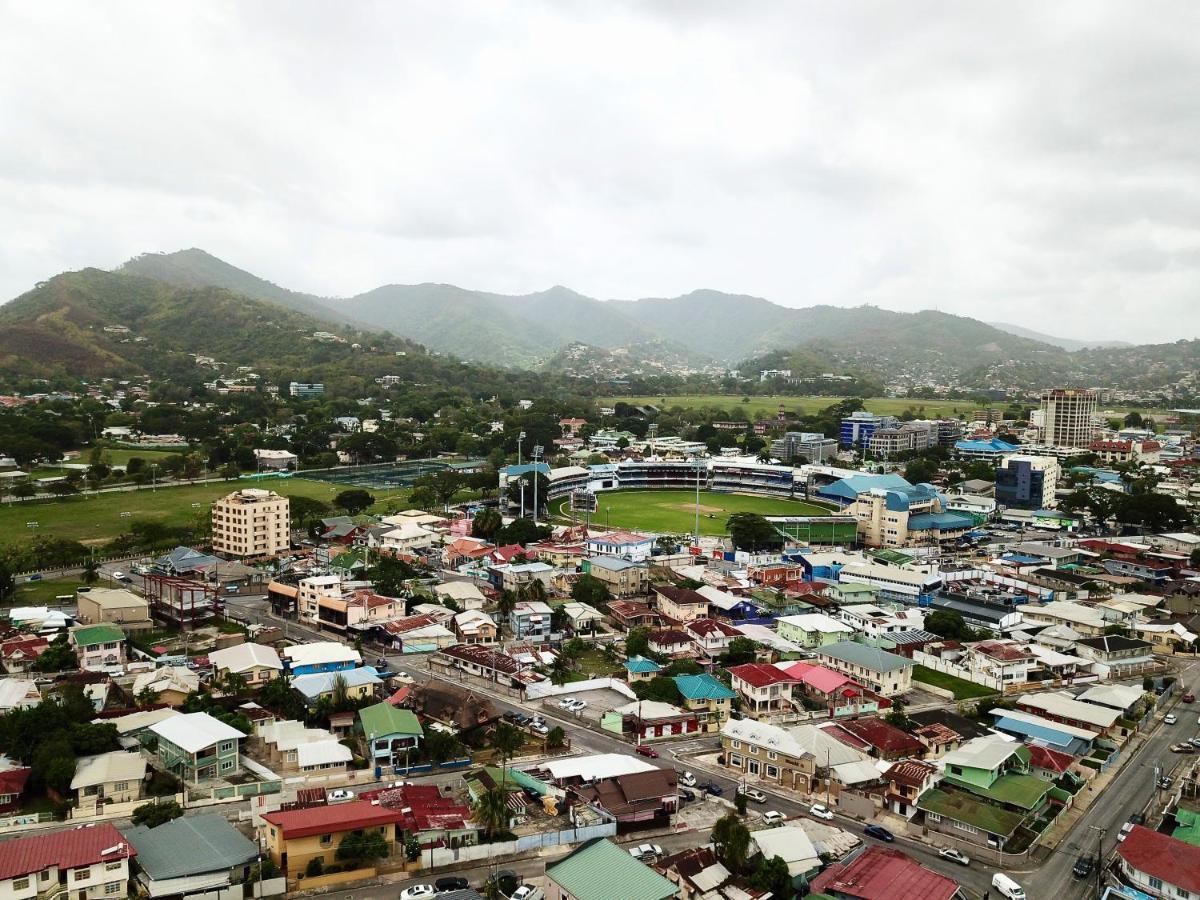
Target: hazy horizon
(1026, 164)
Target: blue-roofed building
(638, 668)
(991, 450)
(891, 512)
(846, 490)
(1035, 729)
(360, 684)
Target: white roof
(874, 572)
(243, 657)
(1140, 599)
(1063, 611)
(473, 618)
(857, 772)
(17, 692)
(1118, 696)
(1030, 719)
(802, 740)
(321, 652)
(791, 844)
(136, 721)
(816, 622)
(981, 752)
(322, 753)
(290, 734)
(601, 765)
(408, 531)
(458, 590)
(179, 678)
(1052, 657)
(719, 598)
(1064, 705)
(650, 709)
(763, 635)
(114, 598)
(192, 732)
(105, 767)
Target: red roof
(884, 737)
(12, 781)
(25, 646)
(1175, 862)
(761, 674)
(668, 636)
(882, 873)
(508, 552)
(911, 772)
(707, 627)
(681, 596)
(298, 823)
(1116, 446)
(1051, 760)
(423, 808)
(66, 849)
(1002, 651)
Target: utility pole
(1099, 857)
(537, 455)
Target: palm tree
(491, 811)
(341, 693)
(506, 741)
(91, 572)
(764, 455)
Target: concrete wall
(948, 668)
(546, 689)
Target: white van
(1007, 887)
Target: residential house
(907, 780)
(698, 873)
(79, 863)
(712, 636)
(629, 614)
(681, 604)
(408, 537)
(391, 733)
(883, 741)
(765, 690)
(802, 758)
(636, 800)
(710, 699)
(283, 739)
(195, 852)
(116, 606)
(792, 843)
(1116, 656)
(1086, 620)
(171, 685)
(673, 643)
(818, 687)
(1061, 706)
(309, 592)
(650, 720)
(106, 778)
(257, 663)
(884, 673)
(466, 595)
(419, 633)
(320, 656)
(18, 654)
(813, 629)
(330, 757)
(12, 785)
(356, 611)
(1059, 736)
(621, 544)
(639, 668)
(876, 874)
(293, 838)
(479, 662)
(98, 647)
(359, 684)
(622, 577)
(514, 576)
(1160, 865)
(591, 871)
(474, 626)
(583, 618)
(530, 621)
(17, 693)
(196, 747)
(875, 621)
(430, 819)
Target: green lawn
(119, 456)
(97, 518)
(42, 593)
(592, 664)
(961, 688)
(673, 512)
(769, 405)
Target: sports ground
(674, 512)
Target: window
(121, 786)
(932, 817)
(113, 887)
(227, 765)
(326, 840)
(113, 866)
(735, 760)
(1155, 883)
(771, 754)
(82, 874)
(19, 884)
(772, 771)
(227, 746)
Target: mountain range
(193, 302)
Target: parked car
(539, 728)
(820, 810)
(504, 879)
(451, 883)
(1083, 867)
(339, 795)
(687, 779)
(879, 832)
(714, 789)
(773, 817)
(1164, 783)
(577, 706)
(1183, 748)
(687, 794)
(1189, 698)
(1170, 719)
(646, 750)
(527, 892)
(416, 891)
(955, 856)
(565, 702)
(512, 715)
(403, 677)
(1007, 888)
(646, 851)
(1124, 832)
(1195, 742)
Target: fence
(209, 796)
(948, 668)
(446, 856)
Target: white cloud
(1024, 162)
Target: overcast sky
(1030, 162)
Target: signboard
(583, 501)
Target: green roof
(383, 719)
(600, 870)
(1023, 754)
(1024, 791)
(703, 687)
(192, 845)
(641, 665)
(1189, 827)
(962, 807)
(97, 634)
(895, 557)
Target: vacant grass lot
(961, 688)
(42, 593)
(769, 405)
(673, 512)
(97, 518)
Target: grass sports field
(673, 512)
(91, 519)
(769, 405)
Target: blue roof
(313, 686)
(939, 521)
(995, 445)
(1022, 558)
(851, 487)
(1041, 734)
(526, 468)
(641, 665)
(702, 687)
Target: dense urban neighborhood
(596, 649)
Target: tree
(591, 590)
(491, 811)
(556, 737)
(7, 583)
(506, 741)
(897, 717)
(389, 575)
(750, 531)
(920, 471)
(1193, 561)
(741, 650)
(637, 641)
(1153, 512)
(359, 848)
(660, 689)
(739, 803)
(948, 624)
(154, 814)
(58, 657)
(522, 531)
(315, 868)
(731, 842)
(560, 670)
(232, 684)
(441, 746)
(486, 523)
(354, 500)
(91, 572)
(1133, 419)
(278, 696)
(980, 470)
(772, 875)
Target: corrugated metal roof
(191, 845)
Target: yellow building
(251, 522)
(293, 838)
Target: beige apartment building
(251, 522)
(1068, 418)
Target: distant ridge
(1066, 343)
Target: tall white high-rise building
(1068, 418)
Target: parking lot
(598, 702)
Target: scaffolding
(181, 601)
